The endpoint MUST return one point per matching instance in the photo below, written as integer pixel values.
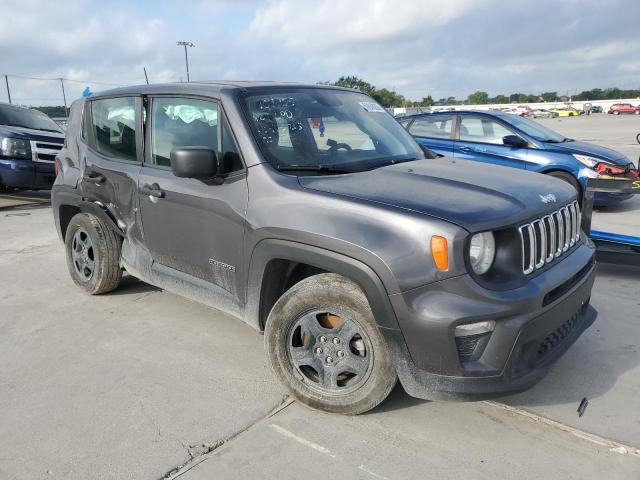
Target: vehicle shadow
(130, 285)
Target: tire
(616, 112)
(93, 254)
(570, 179)
(637, 112)
(293, 330)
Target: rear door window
(437, 126)
(114, 125)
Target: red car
(618, 108)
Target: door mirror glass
(514, 141)
(194, 162)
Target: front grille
(559, 335)
(44, 151)
(549, 237)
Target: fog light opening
(477, 328)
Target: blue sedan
(514, 141)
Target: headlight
(587, 160)
(15, 148)
(482, 251)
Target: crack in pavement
(198, 453)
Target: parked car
(510, 140)
(336, 246)
(543, 113)
(565, 112)
(29, 142)
(619, 108)
(596, 109)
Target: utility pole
(186, 57)
(6, 80)
(64, 97)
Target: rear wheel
(570, 179)
(93, 254)
(324, 345)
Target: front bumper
(534, 326)
(26, 174)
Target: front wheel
(324, 345)
(571, 180)
(93, 254)
(616, 113)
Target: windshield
(537, 131)
(23, 117)
(327, 130)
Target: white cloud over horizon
(438, 47)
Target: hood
(584, 148)
(31, 134)
(473, 195)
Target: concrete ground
(142, 384)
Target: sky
(429, 47)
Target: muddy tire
(93, 254)
(324, 345)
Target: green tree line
(389, 98)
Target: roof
(494, 113)
(213, 87)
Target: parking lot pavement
(135, 383)
(120, 386)
(139, 382)
(410, 440)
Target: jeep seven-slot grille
(549, 237)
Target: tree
(501, 99)
(388, 98)
(356, 83)
(549, 96)
(478, 98)
(425, 102)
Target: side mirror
(194, 162)
(514, 141)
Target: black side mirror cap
(194, 162)
(514, 141)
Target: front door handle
(93, 177)
(465, 149)
(152, 190)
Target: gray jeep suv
(311, 214)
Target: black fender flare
(271, 249)
(62, 199)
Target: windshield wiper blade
(315, 168)
(568, 140)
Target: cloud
(438, 47)
(321, 24)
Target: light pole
(186, 57)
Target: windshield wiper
(568, 140)
(315, 168)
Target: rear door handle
(96, 178)
(153, 190)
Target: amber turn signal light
(440, 253)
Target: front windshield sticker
(372, 107)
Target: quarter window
(182, 122)
(483, 130)
(437, 126)
(114, 126)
